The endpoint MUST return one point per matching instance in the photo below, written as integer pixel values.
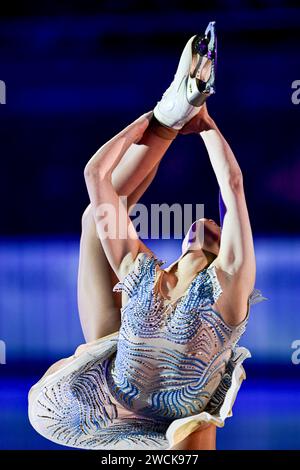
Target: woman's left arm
(236, 255)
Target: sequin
(165, 364)
(170, 361)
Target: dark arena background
(75, 74)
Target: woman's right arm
(114, 227)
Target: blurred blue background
(75, 75)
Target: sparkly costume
(168, 369)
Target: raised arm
(236, 256)
(236, 259)
(114, 227)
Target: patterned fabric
(74, 407)
(149, 385)
(170, 359)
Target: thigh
(99, 307)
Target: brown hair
(210, 256)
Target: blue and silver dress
(167, 370)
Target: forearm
(98, 176)
(223, 161)
(105, 160)
(98, 172)
(113, 225)
(108, 156)
(236, 254)
(237, 250)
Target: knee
(236, 181)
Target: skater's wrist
(161, 130)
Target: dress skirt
(74, 407)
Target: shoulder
(237, 295)
(231, 280)
(233, 304)
(134, 271)
(129, 264)
(145, 259)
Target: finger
(184, 131)
(141, 123)
(149, 115)
(146, 117)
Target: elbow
(235, 181)
(95, 171)
(89, 171)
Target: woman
(161, 367)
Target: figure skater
(161, 367)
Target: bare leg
(99, 307)
(204, 439)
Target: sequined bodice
(170, 358)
